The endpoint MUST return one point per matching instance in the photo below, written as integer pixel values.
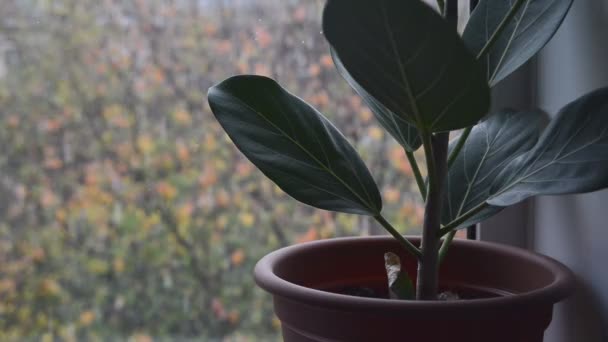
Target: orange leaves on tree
(314, 70)
(223, 47)
(263, 37)
(208, 178)
(320, 99)
(182, 117)
(237, 257)
(299, 14)
(244, 168)
(116, 116)
(222, 198)
(310, 235)
(210, 29)
(183, 153)
(399, 161)
(49, 288)
(262, 70)
(86, 318)
(166, 190)
(326, 61)
(48, 198)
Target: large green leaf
(490, 147)
(294, 145)
(526, 33)
(570, 157)
(406, 134)
(407, 57)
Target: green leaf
(400, 285)
(490, 147)
(533, 25)
(405, 134)
(570, 157)
(407, 57)
(294, 145)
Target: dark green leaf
(406, 134)
(294, 145)
(570, 157)
(409, 59)
(530, 29)
(490, 147)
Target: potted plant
(422, 80)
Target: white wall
(574, 229)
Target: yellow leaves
(221, 222)
(118, 265)
(166, 190)
(145, 143)
(98, 266)
(276, 323)
(237, 257)
(376, 133)
(182, 117)
(86, 318)
(365, 115)
(117, 116)
(247, 219)
(49, 288)
(184, 214)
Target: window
(125, 211)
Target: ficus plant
(423, 80)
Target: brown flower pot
(515, 291)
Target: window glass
(125, 211)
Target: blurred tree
(124, 211)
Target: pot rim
(265, 277)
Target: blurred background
(125, 211)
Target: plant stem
(459, 145)
(435, 149)
(417, 174)
(443, 251)
(404, 242)
(461, 219)
(503, 24)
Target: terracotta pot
(522, 287)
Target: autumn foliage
(124, 210)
